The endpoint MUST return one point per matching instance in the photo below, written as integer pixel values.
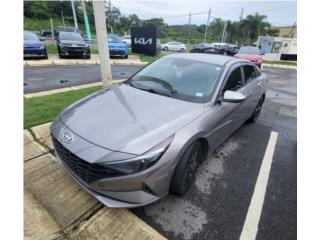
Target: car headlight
(142, 162)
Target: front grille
(88, 172)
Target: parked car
(203, 48)
(46, 33)
(66, 29)
(117, 48)
(132, 144)
(250, 53)
(225, 48)
(33, 46)
(127, 40)
(72, 44)
(173, 46)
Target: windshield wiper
(152, 90)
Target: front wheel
(255, 115)
(186, 169)
(182, 50)
(165, 49)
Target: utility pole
(86, 21)
(101, 32)
(205, 34)
(293, 29)
(189, 27)
(64, 25)
(241, 14)
(224, 32)
(74, 14)
(52, 31)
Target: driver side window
(234, 81)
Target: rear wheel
(186, 169)
(182, 50)
(255, 115)
(165, 48)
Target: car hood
(249, 57)
(126, 119)
(32, 43)
(69, 42)
(116, 44)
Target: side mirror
(233, 97)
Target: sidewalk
(54, 59)
(56, 207)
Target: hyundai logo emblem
(67, 137)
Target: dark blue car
(33, 47)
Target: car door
(252, 88)
(224, 117)
(171, 46)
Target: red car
(250, 53)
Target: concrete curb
(60, 90)
(37, 63)
(279, 66)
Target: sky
(175, 12)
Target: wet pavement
(216, 205)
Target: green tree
(253, 26)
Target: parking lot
(216, 205)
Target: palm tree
(253, 26)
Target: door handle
(259, 83)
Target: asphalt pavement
(43, 78)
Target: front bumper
(126, 191)
(74, 51)
(121, 52)
(34, 52)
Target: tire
(186, 169)
(125, 57)
(165, 49)
(182, 50)
(45, 55)
(255, 115)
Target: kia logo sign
(145, 40)
(142, 41)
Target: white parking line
(250, 227)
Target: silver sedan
(132, 144)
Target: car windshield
(30, 36)
(178, 78)
(249, 50)
(114, 38)
(72, 36)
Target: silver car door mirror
(234, 97)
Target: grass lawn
(281, 62)
(39, 110)
(145, 58)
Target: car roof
(205, 58)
